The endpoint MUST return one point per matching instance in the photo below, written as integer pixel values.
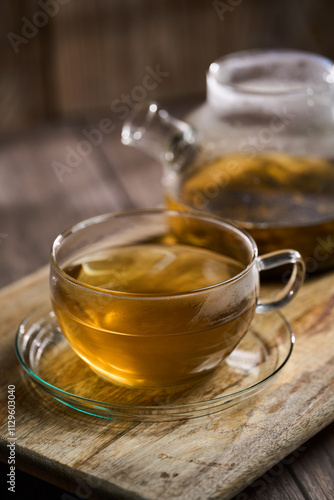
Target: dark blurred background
(69, 59)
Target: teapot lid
(256, 75)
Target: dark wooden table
(39, 199)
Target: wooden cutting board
(211, 457)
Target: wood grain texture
(211, 457)
(37, 204)
(302, 474)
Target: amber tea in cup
(158, 298)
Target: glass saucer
(52, 365)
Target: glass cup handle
(277, 259)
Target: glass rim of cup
(150, 211)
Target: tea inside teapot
(281, 200)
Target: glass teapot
(258, 153)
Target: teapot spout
(153, 130)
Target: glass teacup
(158, 298)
